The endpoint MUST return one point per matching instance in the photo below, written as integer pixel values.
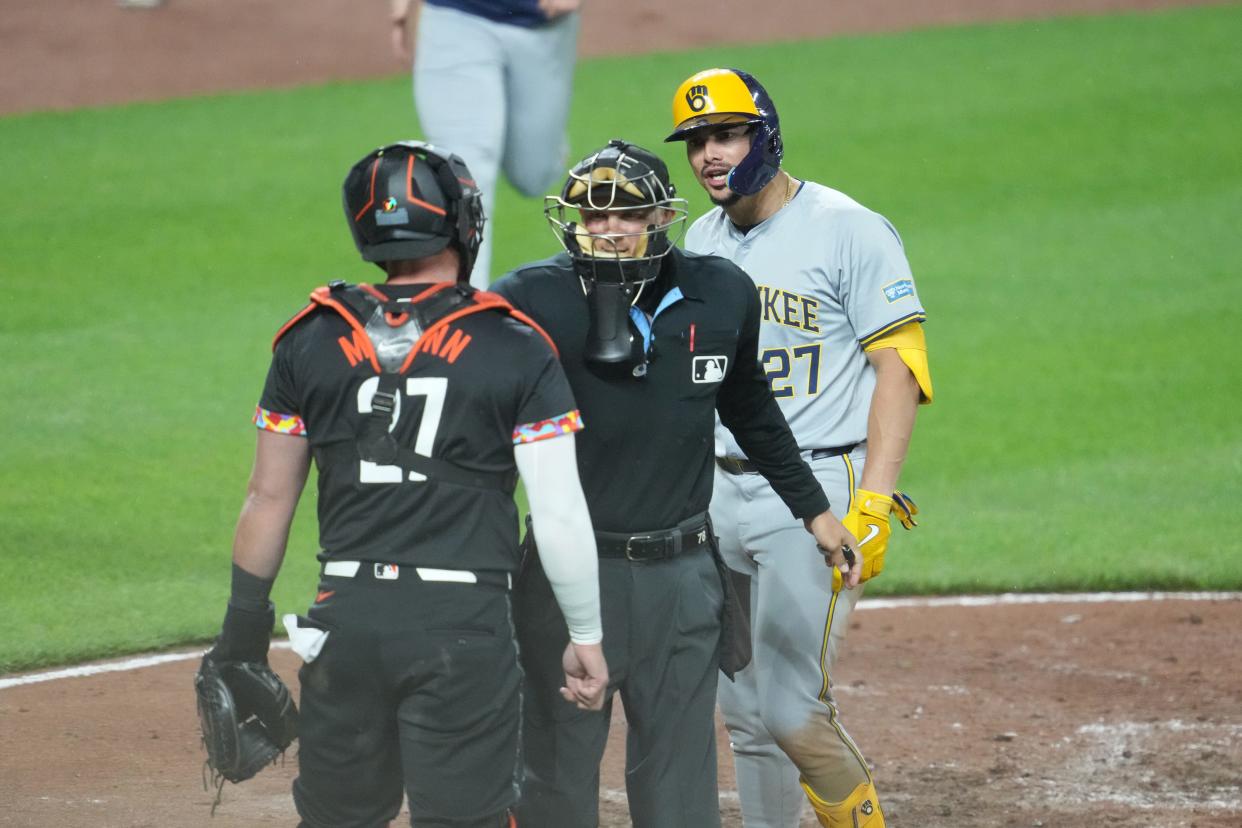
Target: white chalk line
(1005, 599)
(121, 665)
(1012, 598)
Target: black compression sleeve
(250, 592)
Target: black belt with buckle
(736, 465)
(655, 546)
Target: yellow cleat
(861, 809)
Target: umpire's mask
(614, 216)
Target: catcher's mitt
(247, 715)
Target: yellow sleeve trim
(911, 346)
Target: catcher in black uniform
(420, 400)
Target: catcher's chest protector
(392, 332)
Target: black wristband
(250, 592)
(245, 634)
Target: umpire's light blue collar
(687, 287)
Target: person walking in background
(493, 79)
(842, 344)
(420, 400)
(654, 341)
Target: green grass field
(1069, 192)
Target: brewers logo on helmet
(715, 98)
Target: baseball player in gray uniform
(493, 80)
(842, 343)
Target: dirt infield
(1067, 714)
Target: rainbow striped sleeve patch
(567, 423)
(279, 423)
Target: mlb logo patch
(899, 289)
(387, 572)
(709, 368)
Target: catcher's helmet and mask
(624, 179)
(715, 98)
(410, 200)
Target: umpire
(654, 341)
(419, 399)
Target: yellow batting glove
(867, 520)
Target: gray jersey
(832, 277)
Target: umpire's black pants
(661, 636)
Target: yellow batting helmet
(718, 97)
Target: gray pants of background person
(781, 708)
(661, 634)
(498, 96)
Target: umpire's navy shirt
(646, 453)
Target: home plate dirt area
(1075, 711)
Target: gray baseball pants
(783, 721)
(497, 95)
